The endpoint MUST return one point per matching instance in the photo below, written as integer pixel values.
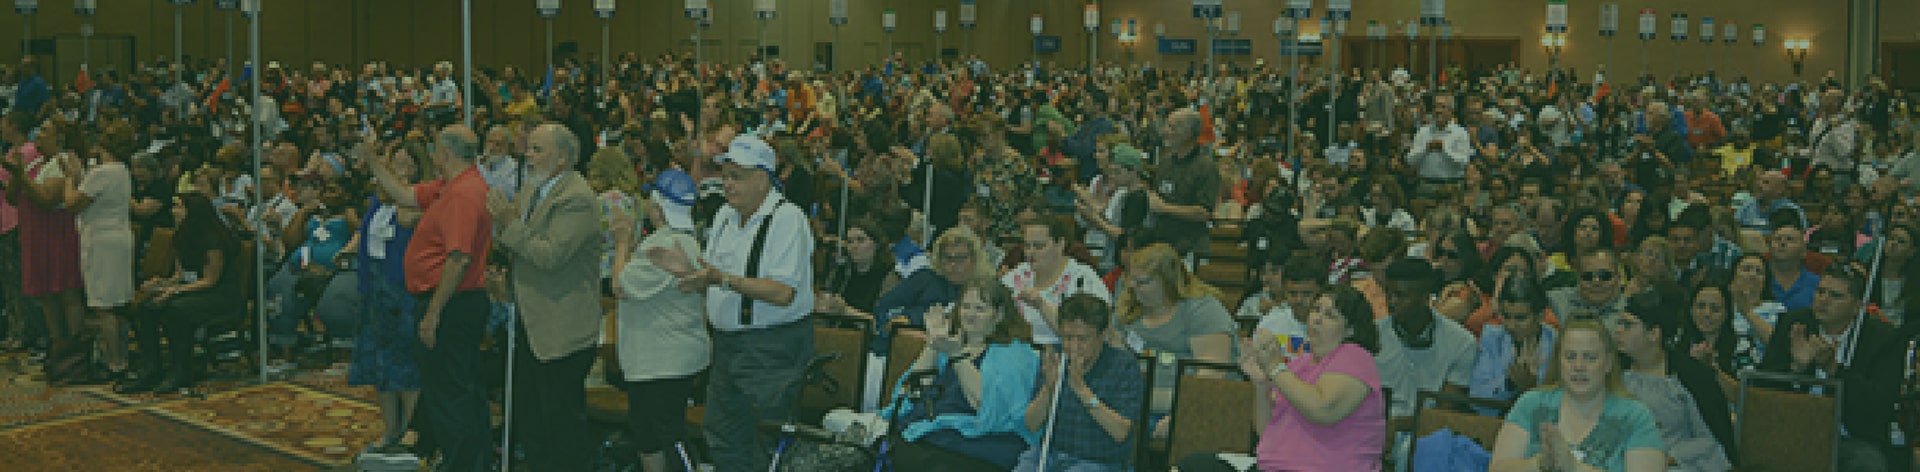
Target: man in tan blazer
(550, 232)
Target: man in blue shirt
(1100, 396)
(33, 94)
(1792, 284)
(1769, 196)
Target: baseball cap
(749, 151)
(676, 193)
(1125, 155)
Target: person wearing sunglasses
(1597, 295)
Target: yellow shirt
(1733, 159)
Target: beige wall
(508, 31)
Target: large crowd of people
(1604, 255)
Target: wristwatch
(1277, 369)
(1092, 402)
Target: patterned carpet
(312, 422)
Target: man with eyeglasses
(1597, 295)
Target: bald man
(446, 272)
(1188, 187)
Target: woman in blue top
(324, 225)
(1583, 419)
(385, 349)
(985, 374)
(1513, 353)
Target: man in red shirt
(445, 269)
(1704, 129)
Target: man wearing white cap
(758, 276)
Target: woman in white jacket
(662, 331)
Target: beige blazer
(555, 266)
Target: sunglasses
(1596, 276)
(1447, 254)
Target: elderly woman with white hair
(662, 334)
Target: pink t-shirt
(1291, 443)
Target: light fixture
(1797, 53)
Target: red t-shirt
(454, 218)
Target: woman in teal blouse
(1583, 419)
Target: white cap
(749, 151)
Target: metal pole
(86, 45)
(1433, 58)
(466, 56)
(1293, 105)
(230, 67)
(1209, 46)
(833, 64)
(550, 46)
(1333, 80)
(1608, 65)
(259, 244)
(1643, 58)
(606, 54)
(178, 49)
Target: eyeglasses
(1447, 254)
(1596, 276)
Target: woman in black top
(205, 285)
(857, 280)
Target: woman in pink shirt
(49, 243)
(1325, 411)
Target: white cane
(1846, 352)
(1053, 412)
(506, 422)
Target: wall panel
(509, 32)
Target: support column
(1863, 42)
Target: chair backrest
(848, 337)
(1210, 414)
(908, 341)
(158, 261)
(1783, 429)
(1481, 428)
(1143, 423)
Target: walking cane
(1845, 356)
(1053, 411)
(506, 422)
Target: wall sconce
(1553, 43)
(1797, 53)
(1159, 30)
